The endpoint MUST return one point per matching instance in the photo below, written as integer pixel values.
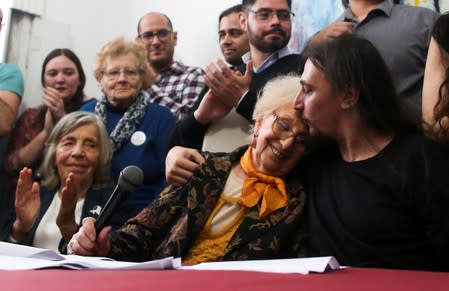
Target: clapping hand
(54, 103)
(228, 85)
(27, 204)
(66, 215)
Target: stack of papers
(300, 266)
(19, 257)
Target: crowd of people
(337, 150)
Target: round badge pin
(138, 138)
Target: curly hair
(441, 110)
(119, 47)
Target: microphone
(129, 179)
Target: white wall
(5, 6)
(444, 5)
(85, 25)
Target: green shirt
(11, 79)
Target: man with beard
(173, 84)
(268, 25)
(378, 193)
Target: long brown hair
(441, 110)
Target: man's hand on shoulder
(180, 164)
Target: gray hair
(67, 124)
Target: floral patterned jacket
(170, 225)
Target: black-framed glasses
(283, 129)
(265, 14)
(162, 35)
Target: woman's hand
(86, 243)
(48, 123)
(331, 31)
(27, 204)
(211, 109)
(54, 103)
(66, 215)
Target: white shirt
(47, 234)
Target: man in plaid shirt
(174, 85)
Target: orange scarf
(258, 185)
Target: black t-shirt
(388, 211)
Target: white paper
(19, 257)
(79, 263)
(301, 266)
(16, 250)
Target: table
(167, 280)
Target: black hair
(77, 99)
(247, 3)
(234, 9)
(352, 62)
(441, 35)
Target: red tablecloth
(346, 279)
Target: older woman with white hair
(242, 205)
(75, 180)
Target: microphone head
(130, 178)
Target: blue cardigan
(148, 153)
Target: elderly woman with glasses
(138, 129)
(75, 181)
(242, 205)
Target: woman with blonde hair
(138, 129)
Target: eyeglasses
(162, 35)
(283, 130)
(114, 74)
(265, 14)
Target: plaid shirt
(177, 88)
